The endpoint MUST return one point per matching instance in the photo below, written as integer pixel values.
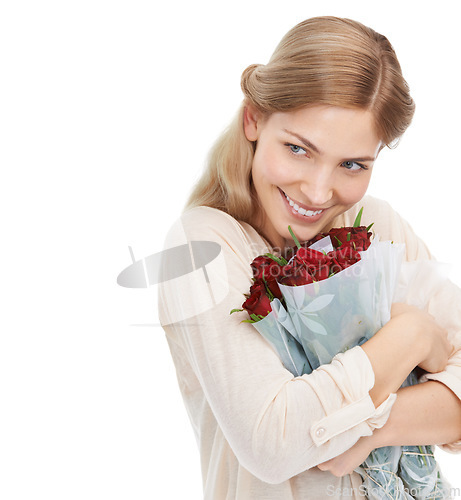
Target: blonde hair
(323, 60)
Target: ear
(251, 117)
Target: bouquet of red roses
(334, 293)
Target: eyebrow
(306, 143)
(314, 148)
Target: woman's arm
(427, 413)
(430, 412)
(411, 339)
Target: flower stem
(294, 237)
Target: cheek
(353, 191)
(270, 168)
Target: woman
(301, 153)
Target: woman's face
(310, 166)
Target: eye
(296, 150)
(353, 166)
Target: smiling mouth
(300, 210)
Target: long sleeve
(445, 306)
(277, 425)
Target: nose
(318, 186)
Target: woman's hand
(349, 460)
(433, 339)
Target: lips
(301, 209)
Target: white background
(107, 112)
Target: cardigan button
(320, 432)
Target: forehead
(332, 129)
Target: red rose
(258, 302)
(274, 288)
(310, 257)
(265, 267)
(342, 235)
(296, 275)
(322, 272)
(360, 237)
(268, 270)
(338, 236)
(307, 266)
(343, 257)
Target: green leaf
(294, 237)
(358, 219)
(236, 310)
(338, 240)
(370, 226)
(349, 235)
(268, 292)
(280, 260)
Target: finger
(324, 466)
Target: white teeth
(300, 210)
